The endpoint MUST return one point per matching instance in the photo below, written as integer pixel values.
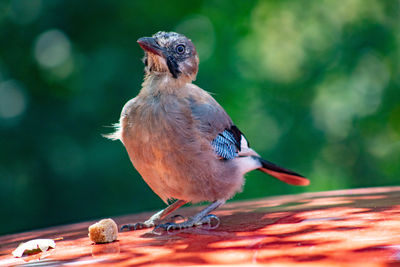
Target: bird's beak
(148, 44)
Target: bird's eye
(180, 49)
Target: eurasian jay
(181, 141)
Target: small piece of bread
(104, 231)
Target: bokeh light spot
(12, 99)
(279, 43)
(340, 99)
(201, 31)
(52, 48)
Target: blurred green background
(315, 85)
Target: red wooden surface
(358, 227)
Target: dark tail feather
(282, 174)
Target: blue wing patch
(225, 145)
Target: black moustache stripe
(173, 66)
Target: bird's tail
(116, 135)
(282, 174)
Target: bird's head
(170, 53)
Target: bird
(181, 141)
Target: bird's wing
(229, 142)
(225, 145)
(212, 120)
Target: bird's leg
(198, 219)
(156, 218)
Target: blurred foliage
(315, 85)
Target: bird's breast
(174, 156)
(157, 125)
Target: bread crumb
(104, 231)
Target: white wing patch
(245, 150)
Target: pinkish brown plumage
(181, 141)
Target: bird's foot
(136, 226)
(211, 220)
(156, 218)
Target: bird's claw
(187, 224)
(208, 220)
(166, 227)
(135, 226)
